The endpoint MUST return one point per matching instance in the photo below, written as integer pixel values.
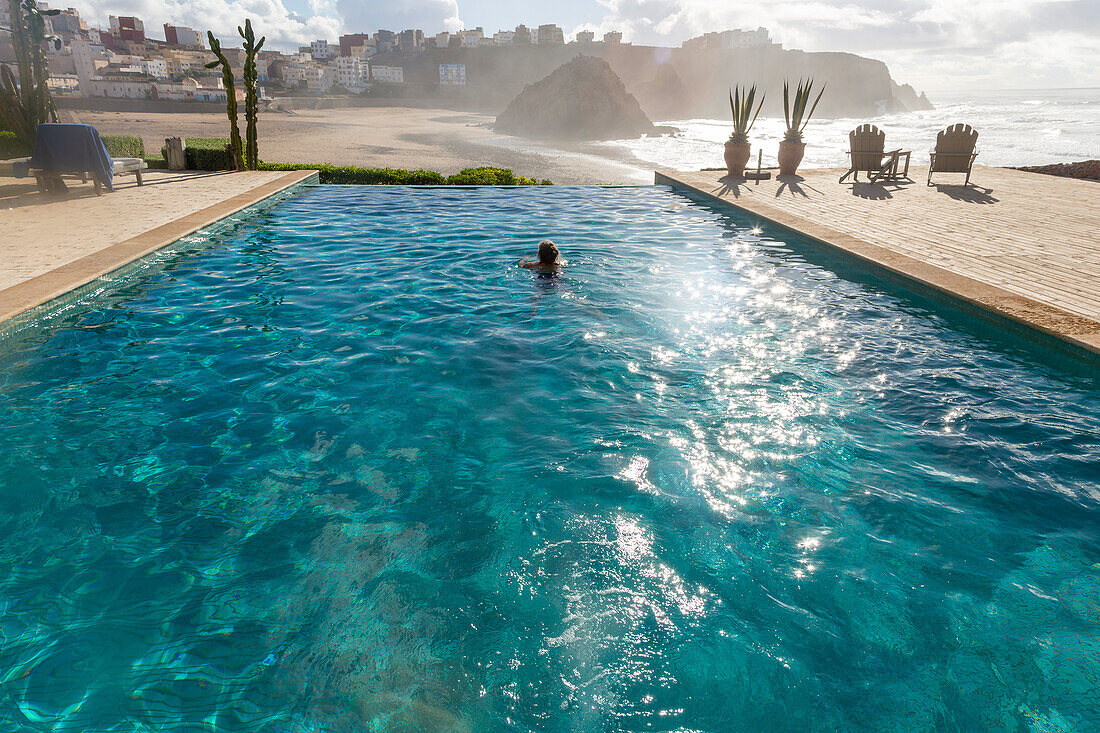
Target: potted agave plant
(737, 148)
(791, 149)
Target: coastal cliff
(581, 100)
(669, 83)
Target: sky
(943, 45)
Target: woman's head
(548, 252)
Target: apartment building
(352, 73)
(472, 38)
(180, 35)
(551, 34)
(322, 51)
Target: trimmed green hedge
(11, 147)
(124, 146)
(207, 154)
(203, 154)
(397, 177)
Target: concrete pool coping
(43, 288)
(1017, 305)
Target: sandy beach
(388, 137)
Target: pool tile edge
(1077, 330)
(41, 289)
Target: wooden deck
(1023, 245)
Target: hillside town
(123, 62)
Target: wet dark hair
(548, 252)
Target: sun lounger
(14, 167)
(868, 154)
(126, 166)
(70, 151)
(956, 149)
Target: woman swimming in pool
(549, 261)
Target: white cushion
(128, 165)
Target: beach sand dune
(387, 137)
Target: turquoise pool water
(345, 467)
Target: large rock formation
(582, 100)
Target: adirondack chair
(956, 149)
(867, 153)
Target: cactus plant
(230, 99)
(251, 99)
(26, 103)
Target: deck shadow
(972, 194)
(732, 185)
(792, 182)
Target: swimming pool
(343, 466)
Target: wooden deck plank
(1021, 244)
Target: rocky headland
(581, 100)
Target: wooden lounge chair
(956, 149)
(867, 153)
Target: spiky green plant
(741, 107)
(230, 99)
(251, 99)
(795, 114)
(27, 102)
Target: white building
(504, 38)
(352, 73)
(322, 51)
(585, 36)
(88, 58)
(442, 40)
(745, 39)
(320, 78)
(613, 37)
(388, 74)
(63, 83)
(190, 90)
(154, 67)
(472, 39)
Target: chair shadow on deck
(877, 191)
(791, 183)
(972, 194)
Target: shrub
(363, 176)
(124, 146)
(156, 163)
(205, 154)
(12, 147)
(397, 177)
(486, 176)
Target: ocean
(1024, 127)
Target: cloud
(934, 43)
